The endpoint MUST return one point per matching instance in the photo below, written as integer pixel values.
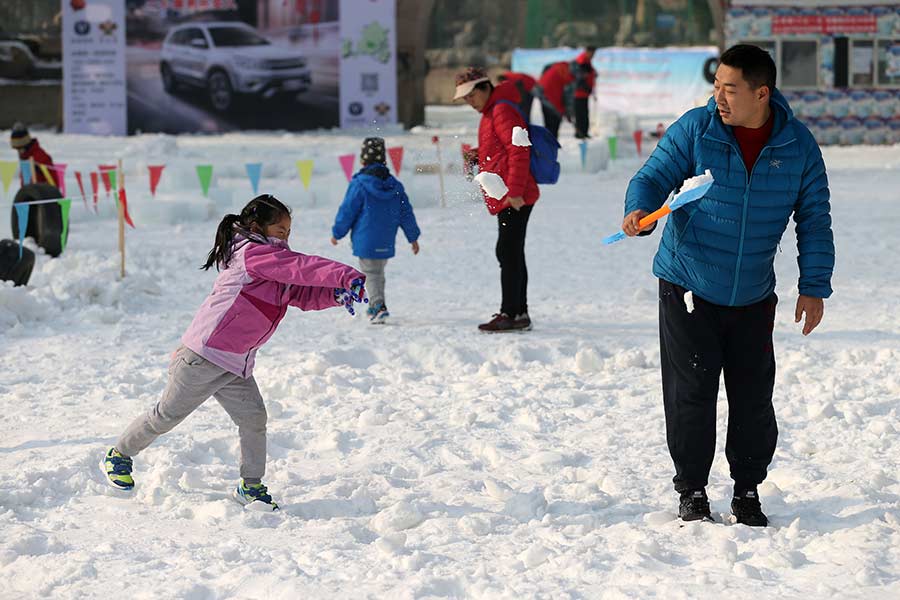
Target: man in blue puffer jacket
(374, 206)
(716, 273)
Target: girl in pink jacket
(259, 277)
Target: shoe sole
(109, 482)
(514, 330)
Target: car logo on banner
(108, 27)
(355, 108)
(382, 108)
(82, 27)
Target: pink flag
(81, 187)
(347, 164)
(396, 155)
(60, 170)
(95, 183)
(155, 174)
(638, 137)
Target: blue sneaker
(378, 314)
(254, 496)
(117, 468)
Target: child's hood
(377, 179)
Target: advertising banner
(93, 38)
(226, 65)
(637, 81)
(368, 63)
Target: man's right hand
(630, 225)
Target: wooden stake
(440, 170)
(120, 181)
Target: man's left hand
(814, 309)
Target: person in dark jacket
(524, 84)
(716, 273)
(498, 155)
(29, 148)
(374, 207)
(585, 76)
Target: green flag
(113, 179)
(65, 204)
(204, 173)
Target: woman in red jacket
(550, 89)
(497, 154)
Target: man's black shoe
(694, 506)
(746, 509)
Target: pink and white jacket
(251, 295)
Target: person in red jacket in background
(497, 154)
(585, 76)
(29, 148)
(550, 89)
(524, 84)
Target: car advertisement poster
(93, 37)
(224, 65)
(368, 63)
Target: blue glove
(356, 293)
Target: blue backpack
(544, 165)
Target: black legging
(552, 119)
(512, 225)
(581, 117)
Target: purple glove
(356, 293)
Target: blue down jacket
(374, 206)
(722, 247)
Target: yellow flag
(7, 172)
(304, 169)
(47, 174)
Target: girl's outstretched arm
(273, 263)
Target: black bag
(12, 268)
(44, 220)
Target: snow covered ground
(423, 459)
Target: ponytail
(259, 213)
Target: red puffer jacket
(526, 80)
(496, 152)
(585, 77)
(553, 82)
(34, 150)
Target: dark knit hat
(19, 138)
(372, 151)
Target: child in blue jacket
(373, 208)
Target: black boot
(694, 506)
(746, 509)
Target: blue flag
(583, 147)
(253, 172)
(22, 214)
(25, 168)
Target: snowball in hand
(520, 137)
(492, 184)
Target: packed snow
(424, 459)
(520, 136)
(694, 182)
(492, 184)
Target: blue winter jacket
(722, 247)
(374, 206)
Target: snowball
(492, 184)
(689, 301)
(520, 137)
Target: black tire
(170, 84)
(12, 268)
(44, 220)
(709, 69)
(219, 90)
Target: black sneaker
(746, 509)
(694, 506)
(522, 322)
(500, 322)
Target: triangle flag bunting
(396, 155)
(347, 164)
(304, 169)
(22, 214)
(7, 172)
(124, 202)
(155, 174)
(25, 170)
(47, 176)
(204, 174)
(65, 204)
(254, 171)
(81, 187)
(95, 184)
(60, 170)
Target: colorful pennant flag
(155, 175)
(396, 155)
(204, 174)
(25, 170)
(638, 136)
(7, 172)
(22, 214)
(124, 200)
(60, 170)
(612, 142)
(81, 187)
(583, 148)
(104, 176)
(65, 204)
(47, 176)
(347, 164)
(304, 169)
(95, 184)
(254, 170)
(113, 177)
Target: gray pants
(374, 270)
(192, 380)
